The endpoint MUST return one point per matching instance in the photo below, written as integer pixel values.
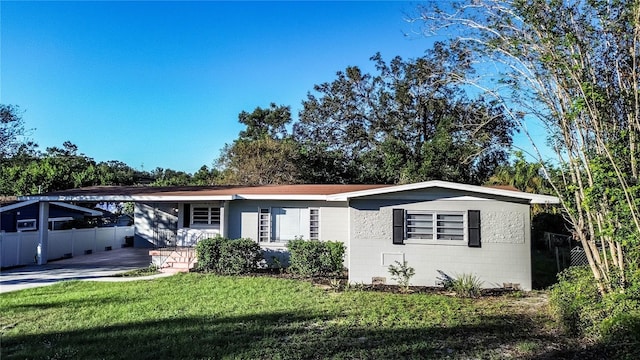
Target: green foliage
(228, 257)
(262, 123)
(467, 285)
(260, 162)
(11, 131)
(316, 258)
(263, 153)
(577, 304)
(409, 121)
(402, 274)
(239, 256)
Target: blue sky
(160, 84)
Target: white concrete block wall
(505, 255)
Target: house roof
(324, 192)
(499, 191)
(201, 193)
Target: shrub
(208, 253)
(315, 258)
(577, 304)
(402, 274)
(467, 285)
(228, 257)
(239, 256)
(575, 301)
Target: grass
(195, 316)
(150, 270)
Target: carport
(100, 266)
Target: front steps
(174, 260)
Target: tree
(11, 130)
(264, 153)
(261, 123)
(578, 76)
(260, 162)
(521, 174)
(206, 176)
(409, 122)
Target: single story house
(438, 227)
(23, 215)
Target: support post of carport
(43, 232)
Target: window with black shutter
(474, 228)
(398, 226)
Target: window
(437, 227)
(314, 224)
(26, 224)
(419, 225)
(264, 225)
(450, 227)
(205, 215)
(282, 224)
(434, 226)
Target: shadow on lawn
(296, 335)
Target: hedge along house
(437, 227)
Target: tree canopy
(411, 121)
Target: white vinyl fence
(20, 248)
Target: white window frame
(34, 225)
(266, 229)
(213, 216)
(314, 231)
(435, 228)
(265, 235)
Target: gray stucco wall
(505, 255)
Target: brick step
(180, 265)
(181, 259)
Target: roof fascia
(127, 198)
(533, 198)
(280, 197)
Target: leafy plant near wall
(402, 274)
(467, 285)
(228, 257)
(316, 258)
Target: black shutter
(186, 219)
(398, 226)
(473, 220)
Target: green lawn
(194, 316)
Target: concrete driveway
(100, 266)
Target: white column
(43, 232)
(224, 219)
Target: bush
(402, 274)
(575, 301)
(467, 285)
(239, 256)
(315, 258)
(228, 257)
(577, 304)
